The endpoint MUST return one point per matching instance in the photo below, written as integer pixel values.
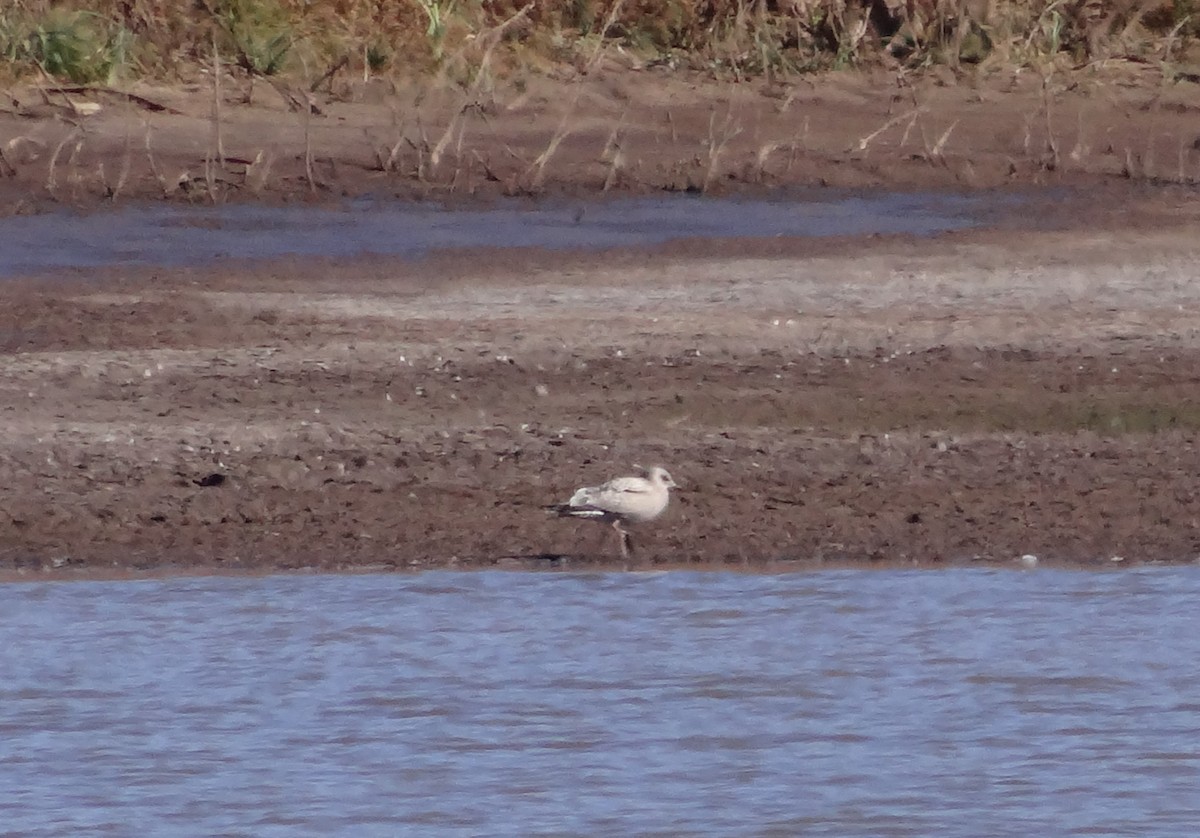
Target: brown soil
(1026, 388)
(618, 129)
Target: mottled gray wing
(620, 496)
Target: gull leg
(623, 537)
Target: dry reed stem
(492, 38)
(865, 142)
(308, 151)
(154, 170)
(1079, 150)
(388, 164)
(258, 171)
(328, 75)
(52, 167)
(908, 129)
(563, 128)
(114, 191)
(612, 154)
(539, 164)
(917, 121)
(763, 157)
(214, 155)
(1149, 157)
(391, 162)
(936, 152)
(458, 158)
(73, 170)
(421, 148)
(716, 145)
(435, 154)
(1051, 142)
(218, 139)
(487, 169)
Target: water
(955, 703)
(169, 235)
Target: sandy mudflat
(1026, 387)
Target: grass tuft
(77, 45)
(89, 40)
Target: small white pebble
(316, 410)
(146, 373)
(1029, 560)
(1117, 559)
(542, 390)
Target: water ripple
(956, 703)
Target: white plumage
(621, 501)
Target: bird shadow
(558, 561)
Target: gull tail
(565, 510)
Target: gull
(621, 501)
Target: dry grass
(316, 40)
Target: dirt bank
(621, 127)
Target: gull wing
(620, 496)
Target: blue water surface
(953, 703)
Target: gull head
(661, 477)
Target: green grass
(258, 33)
(74, 45)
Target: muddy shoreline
(1025, 387)
(963, 399)
(616, 130)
